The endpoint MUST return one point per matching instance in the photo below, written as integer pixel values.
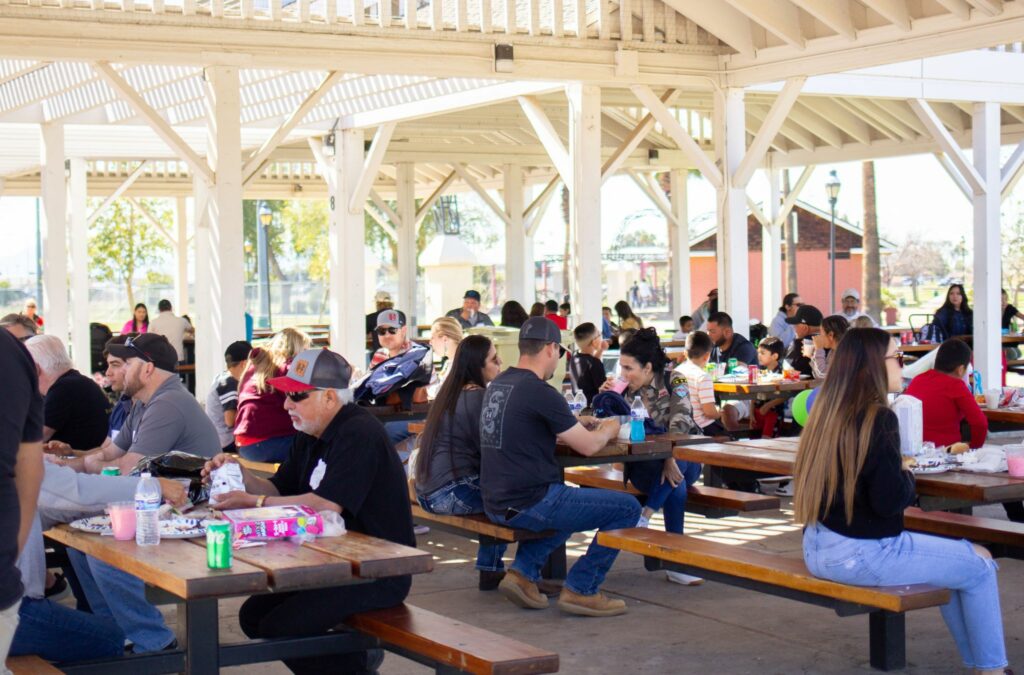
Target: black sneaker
(59, 590)
(374, 657)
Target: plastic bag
(224, 479)
(910, 413)
(333, 524)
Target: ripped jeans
(972, 615)
(459, 498)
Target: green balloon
(800, 407)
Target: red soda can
(752, 374)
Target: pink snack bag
(273, 522)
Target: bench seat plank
(31, 665)
(608, 478)
(477, 523)
(962, 526)
(452, 642)
(767, 568)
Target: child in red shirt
(770, 352)
(945, 398)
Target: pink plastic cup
(619, 385)
(1015, 462)
(122, 520)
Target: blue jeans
(273, 450)
(58, 633)
(566, 510)
(121, 597)
(460, 498)
(972, 615)
(661, 496)
(398, 431)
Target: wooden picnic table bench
(1005, 539)
(30, 665)
(785, 577)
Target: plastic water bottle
(147, 511)
(570, 401)
(637, 413)
(579, 402)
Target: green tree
(276, 240)
(122, 243)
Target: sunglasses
(130, 343)
(299, 396)
(389, 330)
(898, 356)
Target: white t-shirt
(173, 328)
(702, 390)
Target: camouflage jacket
(667, 401)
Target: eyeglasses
(299, 396)
(386, 330)
(130, 343)
(898, 355)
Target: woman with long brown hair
(448, 466)
(851, 487)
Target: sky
(914, 195)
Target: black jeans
(316, 612)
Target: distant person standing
(705, 309)
(30, 312)
(172, 327)
(139, 323)
(469, 315)
(851, 307)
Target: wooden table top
(1004, 415)
(782, 386)
(777, 455)
(1015, 339)
(178, 566)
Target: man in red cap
(340, 461)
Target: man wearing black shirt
(806, 322)
(21, 472)
(730, 345)
(522, 419)
(586, 368)
(340, 461)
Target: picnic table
(1007, 415)
(764, 391)
(950, 490)
(178, 567)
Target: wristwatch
(260, 500)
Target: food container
(273, 522)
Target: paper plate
(174, 528)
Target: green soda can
(732, 365)
(218, 546)
(110, 471)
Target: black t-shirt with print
(354, 465)
(78, 410)
(21, 421)
(520, 418)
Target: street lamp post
(832, 190)
(264, 217)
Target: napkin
(990, 459)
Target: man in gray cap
(851, 306)
(340, 461)
(521, 420)
(393, 335)
(469, 314)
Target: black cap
(808, 315)
(471, 294)
(542, 329)
(237, 351)
(148, 347)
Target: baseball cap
(808, 315)
(237, 351)
(382, 296)
(148, 347)
(475, 295)
(314, 369)
(851, 293)
(542, 329)
(391, 317)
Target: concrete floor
(708, 629)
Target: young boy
(701, 386)
(770, 352)
(945, 399)
(586, 367)
(222, 400)
(685, 328)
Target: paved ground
(711, 628)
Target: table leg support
(197, 624)
(555, 567)
(888, 640)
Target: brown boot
(521, 591)
(597, 604)
(550, 587)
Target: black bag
(176, 464)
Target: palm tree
(872, 252)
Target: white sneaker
(683, 579)
(420, 529)
(643, 522)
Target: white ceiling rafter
(780, 17)
(894, 11)
(721, 20)
(833, 13)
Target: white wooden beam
(724, 22)
(769, 128)
(79, 279)
(371, 165)
(951, 170)
(732, 259)
(758, 213)
(388, 228)
(990, 7)
(386, 209)
(679, 243)
(474, 185)
(127, 183)
(657, 197)
(1012, 170)
(534, 213)
(348, 295)
(682, 138)
(405, 200)
(53, 230)
(958, 8)
(256, 160)
(833, 13)
(848, 122)
(159, 125)
(777, 16)
(326, 168)
(893, 11)
(547, 135)
(585, 201)
(151, 219)
(519, 277)
(817, 125)
(790, 201)
(987, 270)
(428, 203)
(633, 140)
(945, 140)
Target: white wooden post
(732, 256)
(987, 264)
(181, 256)
(406, 191)
(679, 244)
(53, 191)
(347, 284)
(226, 289)
(771, 253)
(204, 300)
(518, 278)
(585, 200)
(80, 346)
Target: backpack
(400, 375)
